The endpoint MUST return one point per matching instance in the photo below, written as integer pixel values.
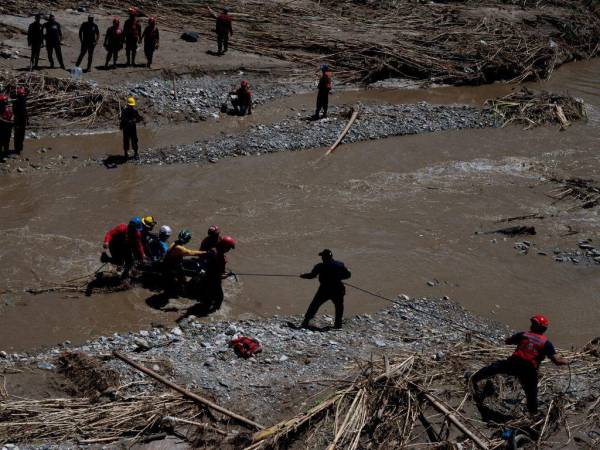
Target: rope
(381, 297)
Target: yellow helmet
(131, 101)
(148, 222)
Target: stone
(3, 354)
(177, 331)
(44, 365)
(142, 344)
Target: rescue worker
(89, 34)
(125, 245)
(330, 273)
(148, 224)
(160, 246)
(6, 123)
(113, 43)
(151, 40)
(35, 39)
(324, 89)
(53, 37)
(224, 29)
(130, 117)
(216, 272)
(173, 261)
(532, 348)
(241, 99)
(212, 238)
(21, 118)
(133, 32)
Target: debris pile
(415, 399)
(446, 42)
(537, 108)
(73, 101)
(585, 192)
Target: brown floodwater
(399, 212)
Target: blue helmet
(136, 224)
(324, 68)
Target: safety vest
(530, 348)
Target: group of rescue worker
(134, 244)
(13, 115)
(135, 241)
(130, 36)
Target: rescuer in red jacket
(532, 348)
(125, 245)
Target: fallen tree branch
(189, 394)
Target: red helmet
(20, 91)
(227, 242)
(213, 230)
(132, 10)
(3, 98)
(152, 20)
(540, 320)
(244, 83)
(116, 20)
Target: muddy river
(400, 213)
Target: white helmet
(166, 230)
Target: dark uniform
(6, 125)
(151, 41)
(324, 88)
(532, 349)
(129, 119)
(113, 43)
(224, 29)
(21, 120)
(132, 30)
(53, 37)
(330, 273)
(35, 39)
(216, 263)
(88, 36)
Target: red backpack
(530, 347)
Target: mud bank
(291, 372)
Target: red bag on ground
(245, 347)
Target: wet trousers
(523, 370)
(131, 51)
(322, 296)
(130, 137)
(322, 103)
(5, 133)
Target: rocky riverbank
(300, 133)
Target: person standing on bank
(113, 43)
(88, 36)
(331, 273)
(150, 36)
(224, 29)
(132, 29)
(35, 39)
(130, 117)
(53, 37)
(21, 118)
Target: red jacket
(121, 234)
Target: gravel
(196, 353)
(374, 122)
(197, 98)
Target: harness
(530, 348)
